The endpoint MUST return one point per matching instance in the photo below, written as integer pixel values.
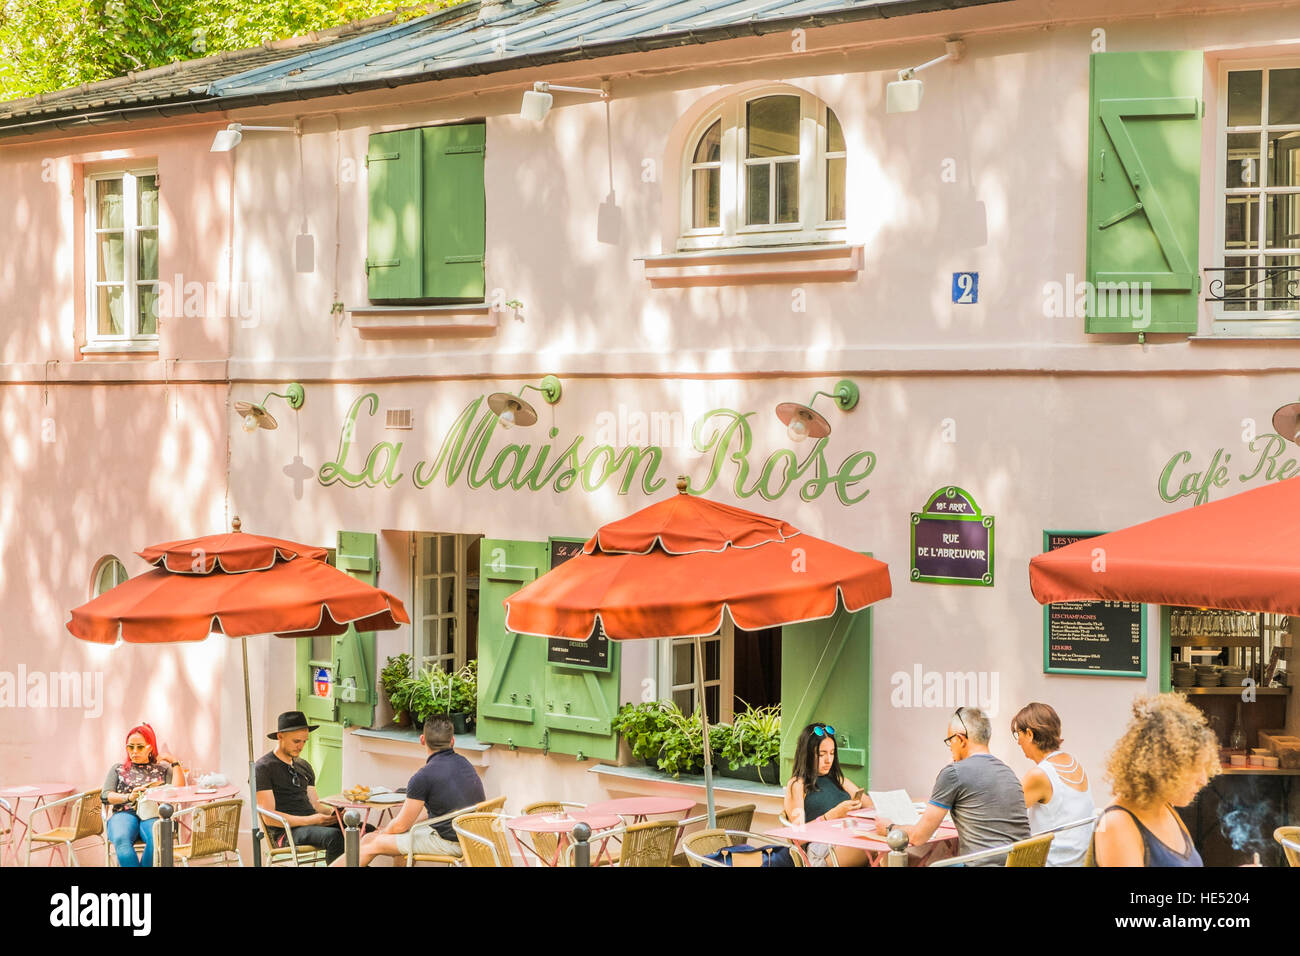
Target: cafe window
(445, 600)
(740, 668)
(765, 168)
(109, 573)
(122, 261)
(1258, 190)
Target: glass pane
(1236, 284)
(709, 148)
(757, 186)
(147, 309)
(773, 126)
(1280, 288)
(446, 553)
(1282, 228)
(146, 254)
(1243, 160)
(1283, 159)
(112, 249)
(110, 311)
(683, 665)
(684, 699)
(712, 660)
(1245, 97)
(432, 638)
(322, 649)
(429, 595)
(835, 189)
(834, 134)
(787, 192)
(147, 201)
(711, 697)
(706, 198)
(1241, 222)
(1283, 96)
(429, 554)
(108, 199)
(446, 598)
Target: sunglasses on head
(823, 730)
(957, 713)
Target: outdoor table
(858, 832)
(179, 797)
(561, 825)
(341, 803)
(36, 792)
(641, 807)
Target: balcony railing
(1254, 288)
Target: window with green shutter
(426, 228)
(1144, 172)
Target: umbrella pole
(704, 721)
(255, 833)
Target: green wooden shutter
(324, 751)
(313, 653)
(511, 667)
(354, 653)
(826, 676)
(395, 171)
(454, 211)
(1144, 171)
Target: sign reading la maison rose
(465, 454)
(952, 540)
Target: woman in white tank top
(1056, 789)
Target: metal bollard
(352, 837)
(581, 848)
(166, 833)
(898, 841)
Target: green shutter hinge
(381, 264)
(510, 742)
(581, 755)
(380, 157)
(1142, 338)
(546, 742)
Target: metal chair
(1030, 852)
(290, 854)
(214, 832)
(643, 844)
(7, 818)
(725, 818)
(87, 821)
(699, 846)
(1289, 838)
(483, 840)
(412, 858)
(545, 843)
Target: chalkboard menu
(591, 654)
(1100, 638)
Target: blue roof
(475, 38)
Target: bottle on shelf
(1238, 739)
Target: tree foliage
(48, 45)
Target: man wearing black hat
(286, 784)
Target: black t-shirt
(446, 782)
(288, 784)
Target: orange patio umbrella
(1237, 554)
(675, 568)
(238, 585)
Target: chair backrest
(1031, 852)
(490, 806)
(649, 844)
(216, 828)
(483, 840)
(707, 842)
(1289, 837)
(735, 818)
(291, 852)
(545, 843)
(87, 816)
(703, 843)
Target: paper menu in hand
(895, 806)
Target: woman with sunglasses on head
(127, 782)
(1057, 791)
(820, 791)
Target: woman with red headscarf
(143, 769)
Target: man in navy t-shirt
(446, 782)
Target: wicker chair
(290, 854)
(1289, 838)
(699, 846)
(545, 843)
(1030, 852)
(6, 828)
(726, 818)
(483, 840)
(644, 844)
(87, 821)
(487, 806)
(214, 832)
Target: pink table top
(643, 806)
(183, 795)
(33, 790)
(859, 834)
(546, 822)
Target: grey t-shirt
(986, 802)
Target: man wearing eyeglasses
(286, 784)
(981, 792)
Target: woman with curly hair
(1167, 754)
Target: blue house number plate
(965, 287)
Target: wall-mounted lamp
(904, 95)
(256, 416)
(802, 421)
(230, 137)
(1286, 422)
(512, 410)
(537, 101)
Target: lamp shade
(903, 96)
(536, 105)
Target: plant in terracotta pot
(393, 679)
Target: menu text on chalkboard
(591, 654)
(1099, 638)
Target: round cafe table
(641, 807)
(37, 793)
(180, 797)
(561, 825)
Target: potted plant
(683, 744)
(752, 750)
(643, 727)
(427, 692)
(462, 697)
(393, 679)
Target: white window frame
(132, 340)
(732, 232)
(1280, 322)
(420, 543)
(97, 583)
(726, 670)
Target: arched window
(109, 573)
(764, 168)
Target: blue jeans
(124, 828)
